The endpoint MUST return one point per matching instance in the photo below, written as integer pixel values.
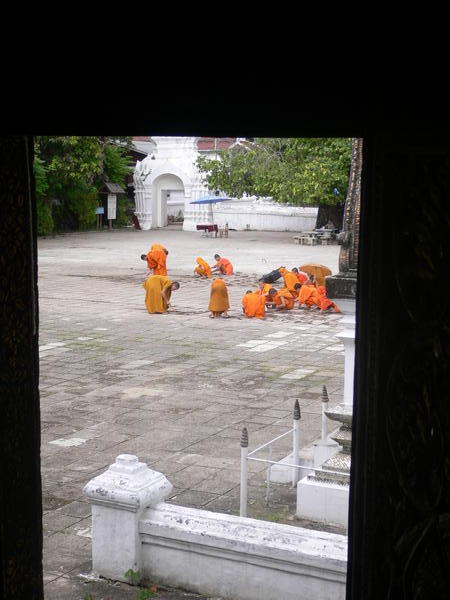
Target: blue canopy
(209, 200)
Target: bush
(81, 203)
(45, 222)
(122, 218)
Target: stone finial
(128, 484)
(325, 397)
(244, 438)
(297, 413)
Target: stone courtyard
(173, 389)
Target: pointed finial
(244, 438)
(324, 394)
(297, 413)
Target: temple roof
(211, 143)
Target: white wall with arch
(164, 188)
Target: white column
(143, 193)
(348, 337)
(118, 498)
(195, 214)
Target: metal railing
(295, 466)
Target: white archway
(153, 180)
(162, 186)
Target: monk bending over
(156, 259)
(218, 300)
(222, 265)
(158, 290)
(325, 302)
(283, 299)
(308, 295)
(254, 305)
(203, 269)
(289, 278)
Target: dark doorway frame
(399, 531)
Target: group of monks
(300, 287)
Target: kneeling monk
(308, 295)
(325, 302)
(218, 300)
(301, 275)
(203, 269)
(263, 287)
(282, 298)
(158, 290)
(222, 265)
(254, 305)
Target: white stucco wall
(203, 551)
(263, 215)
(172, 168)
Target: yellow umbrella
(319, 272)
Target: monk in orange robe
(289, 278)
(203, 269)
(158, 290)
(301, 275)
(156, 259)
(223, 265)
(325, 302)
(218, 300)
(295, 292)
(308, 295)
(283, 298)
(254, 305)
(263, 287)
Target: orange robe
(308, 295)
(156, 259)
(254, 305)
(154, 285)
(226, 268)
(218, 300)
(203, 268)
(325, 302)
(264, 290)
(302, 277)
(289, 278)
(288, 298)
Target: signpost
(99, 211)
(112, 205)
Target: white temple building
(167, 180)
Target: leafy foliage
(82, 201)
(301, 171)
(134, 577)
(69, 172)
(45, 222)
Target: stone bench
(306, 240)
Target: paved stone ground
(174, 389)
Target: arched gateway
(168, 178)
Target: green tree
(299, 171)
(45, 222)
(75, 168)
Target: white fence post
(244, 473)
(118, 497)
(296, 444)
(325, 400)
